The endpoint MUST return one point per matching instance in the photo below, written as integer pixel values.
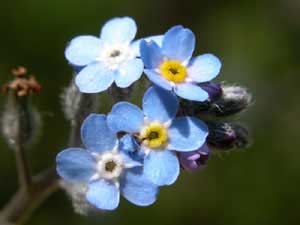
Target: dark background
(259, 45)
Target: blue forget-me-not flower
(111, 58)
(159, 133)
(171, 67)
(106, 166)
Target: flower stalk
(77, 106)
(20, 123)
(21, 206)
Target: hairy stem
(75, 136)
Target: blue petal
(128, 144)
(150, 54)
(96, 135)
(158, 39)
(83, 50)
(119, 30)
(161, 167)
(157, 79)
(137, 189)
(159, 105)
(179, 43)
(204, 68)
(77, 69)
(103, 195)
(129, 161)
(125, 116)
(75, 164)
(214, 90)
(94, 78)
(129, 72)
(187, 134)
(135, 45)
(128, 147)
(191, 92)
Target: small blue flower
(106, 167)
(110, 58)
(170, 66)
(159, 132)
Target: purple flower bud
(192, 108)
(224, 100)
(214, 90)
(195, 160)
(227, 135)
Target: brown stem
(23, 203)
(33, 192)
(23, 168)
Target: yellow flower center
(173, 71)
(154, 135)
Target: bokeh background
(258, 42)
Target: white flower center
(113, 55)
(110, 165)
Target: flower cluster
(134, 151)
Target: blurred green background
(259, 45)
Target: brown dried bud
(22, 85)
(19, 71)
(20, 122)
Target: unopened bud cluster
(224, 101)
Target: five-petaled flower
(170, 66)
(110, 58)
(106, 166)
(156, 140)
(159, 133)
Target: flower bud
(77, 105)
(195, 160)
(234, 99)
(120, 94)
(214, 90)
(192, 108)
(224, 100)
(227, 135)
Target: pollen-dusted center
(110, 166)
(173, 71)
(115, 53)
(154, 135)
